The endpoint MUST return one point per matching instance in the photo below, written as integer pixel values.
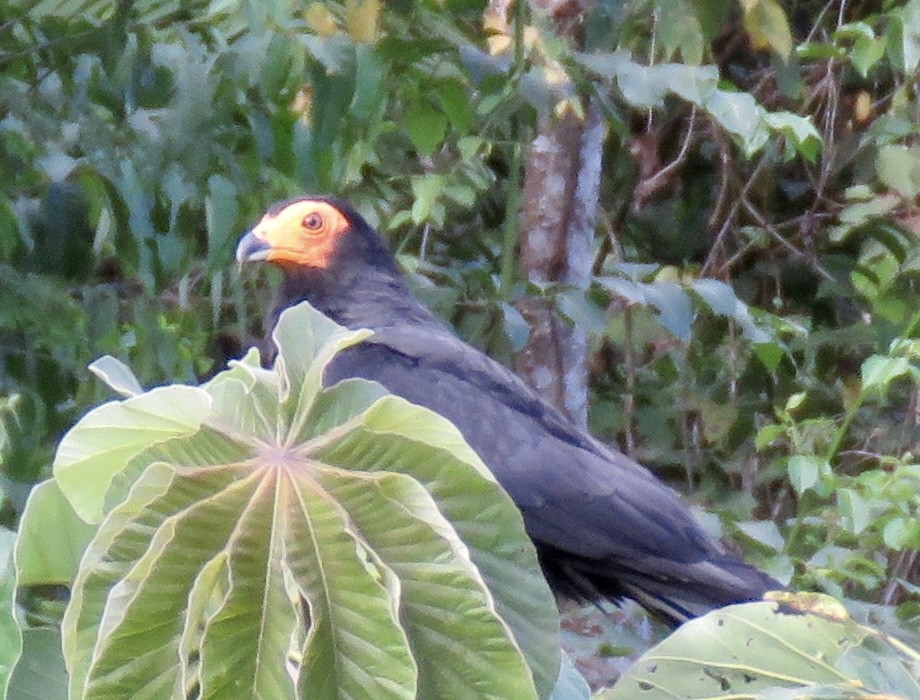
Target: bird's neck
(360, 297)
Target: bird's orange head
(302, 231)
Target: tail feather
(674, 591)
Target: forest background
(692, 224)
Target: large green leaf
(264, 536)
(804, 646)
(44, 560)
(104, 442)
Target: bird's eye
(313, 222)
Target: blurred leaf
(576, 306)
(151, 10)
(895, 533)
(517, 330)
(878, 371)
(801, 135)
(117, 375)
(866, 53)
(854, 509)
(770, 354)
(221, 211)
(10, 636)
(426, 189)
(767, 434)
(456, 103)
(40, 672)
(571, 684)
(861, 212)
(766, 23)
(910, 35)
(426, 126)
(804, 472)
(320, 19)
(51, 538)
(673, 306)
(669, 300)
(765, 532)
(899, 169)
(370, 76)
(361, 19)
(795, 400)
(721, 298)
(739, 114)
(679, 30)
(9, 229)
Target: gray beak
(251, 249)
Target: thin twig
(730, 217)
(650, 185)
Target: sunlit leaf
(362, 18)
(878, 371)
(899, 169)
(804, 472)
(46, 557)
(108, 437)
(293, 540)
(767, 25)
(117, 375)
(910, 35)
(739, 114)
(800, 133)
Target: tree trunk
(561, 183)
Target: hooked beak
(251, 248)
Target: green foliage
(264, 534)
(756, 259)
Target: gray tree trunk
(561, 183)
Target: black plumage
(604, 526)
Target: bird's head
(307, 232)
(330, 256)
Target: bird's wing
(576, 495)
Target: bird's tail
(699, 588)
(674, 591)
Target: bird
(604, 527)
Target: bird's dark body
(604, 526)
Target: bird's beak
(251, 248)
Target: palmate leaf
(264, 536)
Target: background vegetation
(738, 259)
